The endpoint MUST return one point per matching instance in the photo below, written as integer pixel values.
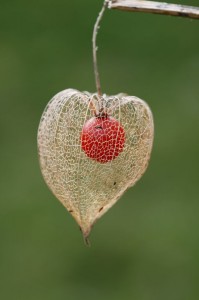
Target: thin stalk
(95, 32)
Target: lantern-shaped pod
(86, 186)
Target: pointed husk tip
(86, 234)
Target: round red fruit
(102, 138)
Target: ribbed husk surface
(84, 186)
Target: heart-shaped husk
(84, 186)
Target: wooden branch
(155, 7)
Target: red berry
(102, 138)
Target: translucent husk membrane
(84, 186)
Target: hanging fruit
(93, 147)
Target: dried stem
(95, 31)
(155, 7)
(139, 6)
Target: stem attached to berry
(95, 31)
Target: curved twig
(95, 31)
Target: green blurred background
(147, 246)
